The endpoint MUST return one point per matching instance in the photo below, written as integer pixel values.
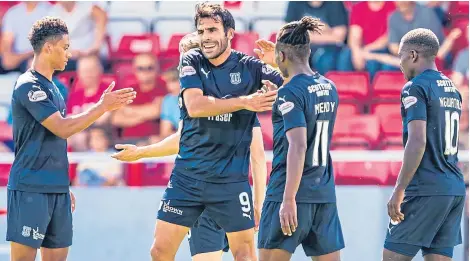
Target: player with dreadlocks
(301, 195)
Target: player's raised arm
(167, 147)
(259, 171)
(110, 101)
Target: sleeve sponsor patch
(35, 96)
(267, 69)
(286, 107)
(409, 101)
(187, 71)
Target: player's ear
(282, 56)
(413, 56)
(230, 33)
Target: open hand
(113, 100)
(128, 153)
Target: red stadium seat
(388, 85)
(346, 109)
(350, 147)
(361, 129)
(351, 85)
(122, 70)
(390, 123)
(362, 173)
(131, 45)
(395, 167)
(245, 42)
(174, 42)
(4, 174)
(6, 131)
(168, 59)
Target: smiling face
(214, 40)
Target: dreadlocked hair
(297, 32)
(294, 38)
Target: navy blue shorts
(206, 236)
(229, 205)
(319, 229)
(39, 220)
(432, 224)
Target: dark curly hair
(216, 12)
(46, 29)
(294, 38)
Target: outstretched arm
(167, 147)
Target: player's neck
(424, 67)
(296, 69)
(42, 67)
(222, 58)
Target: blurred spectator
(16, 25)
(86, 91)
(367, 36)
(87, 28)
(407, 17)
(100, 172)
(170, 116)
(325, 47)
(139, 120)
(460, 67)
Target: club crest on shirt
(235, 78)
(267, 69)
(35, 96)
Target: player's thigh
(230, 205)
(167, 239)
(325, 238)
(335, 256)
(274, 255)
(449, 233)
(436, 257)
(19, 252)
(242, 244)
(59, 233)
(271, 236)
(389, 255)
(54, 254)
(209, 256)
(28, 216)
(423, 218)
(206, 236)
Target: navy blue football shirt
(41, 163)
(310, 102)
(432, 97)
(216, 149)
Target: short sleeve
(36, 101)
(291, 108)
(393, 34)
(9, 21)
(414, 103)
(340, 17)
(189, 77)
(166, 109)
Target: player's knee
(159, 253)
(244, 251)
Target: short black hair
(424, 41)
(46, 29)
(294, 37)
(216, 12)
